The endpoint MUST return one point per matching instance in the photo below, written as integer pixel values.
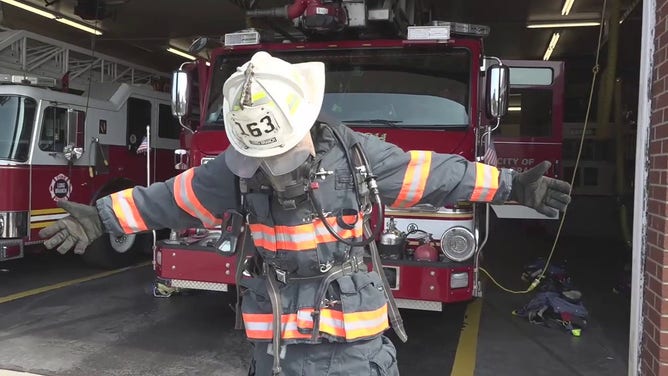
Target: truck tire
(102, 254)
(108, 252)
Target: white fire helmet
(269, 108)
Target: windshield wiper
(389, 123)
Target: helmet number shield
(266, 125)
(258, 133)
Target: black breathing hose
(373, 189)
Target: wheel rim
(122, 243)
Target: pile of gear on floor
(557, 303)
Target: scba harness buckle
(231, 228)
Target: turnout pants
(375, 357)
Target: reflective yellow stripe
(258, 95)
(41, 224)
(293, 101)
(47, 211)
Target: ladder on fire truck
(27, 53)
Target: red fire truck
(426, 87)
(75, 138)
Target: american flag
(490, 156)
(143, 147)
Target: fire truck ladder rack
(26, 53)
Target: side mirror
(180, 94)
(498, 83)
(74, 135)
(198, 45)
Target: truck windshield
(17, 115)
(399, 87)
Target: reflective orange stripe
(415, 179)
(303, 237)
(123, 205)
(259, 326)
(331, 321)
(486, 183)
(347, 326)
(186, 199)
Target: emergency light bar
(242, 38)
(464, 28)
(441, 30)
(428, 33)
(27, 80)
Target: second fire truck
(75, 138)
(424, 87)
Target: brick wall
(654, 352)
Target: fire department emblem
(60, 187)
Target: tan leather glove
(77, 230)
(547, 195)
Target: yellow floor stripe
(40, 290)
(465, 357)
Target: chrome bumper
(13, 224)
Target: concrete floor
(114, 326)
(510, 345)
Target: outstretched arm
(406, 179)
(194, 198)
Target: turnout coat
(295, 241)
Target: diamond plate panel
(421, 305)
(198, 285)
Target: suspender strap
(277, 312)
(393, 311)
(242, 254)
(348, 267)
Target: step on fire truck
(418, 83)
(65, 138)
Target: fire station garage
(101, 98)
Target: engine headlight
(458, 244)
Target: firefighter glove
(77, 230)
(547, 195)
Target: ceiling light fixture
(551, 46)
(52, 16)
(79, 26)
(29, 8)
(181, 53)
(556, 25)
(514, 108)
(568, 4)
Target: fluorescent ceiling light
(568, 4)
(554, 25)
(52, 16)
(551, 46)
(29, 8)
(79, 26)
(181, 53)
(514, 108)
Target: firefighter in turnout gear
(306, 188)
